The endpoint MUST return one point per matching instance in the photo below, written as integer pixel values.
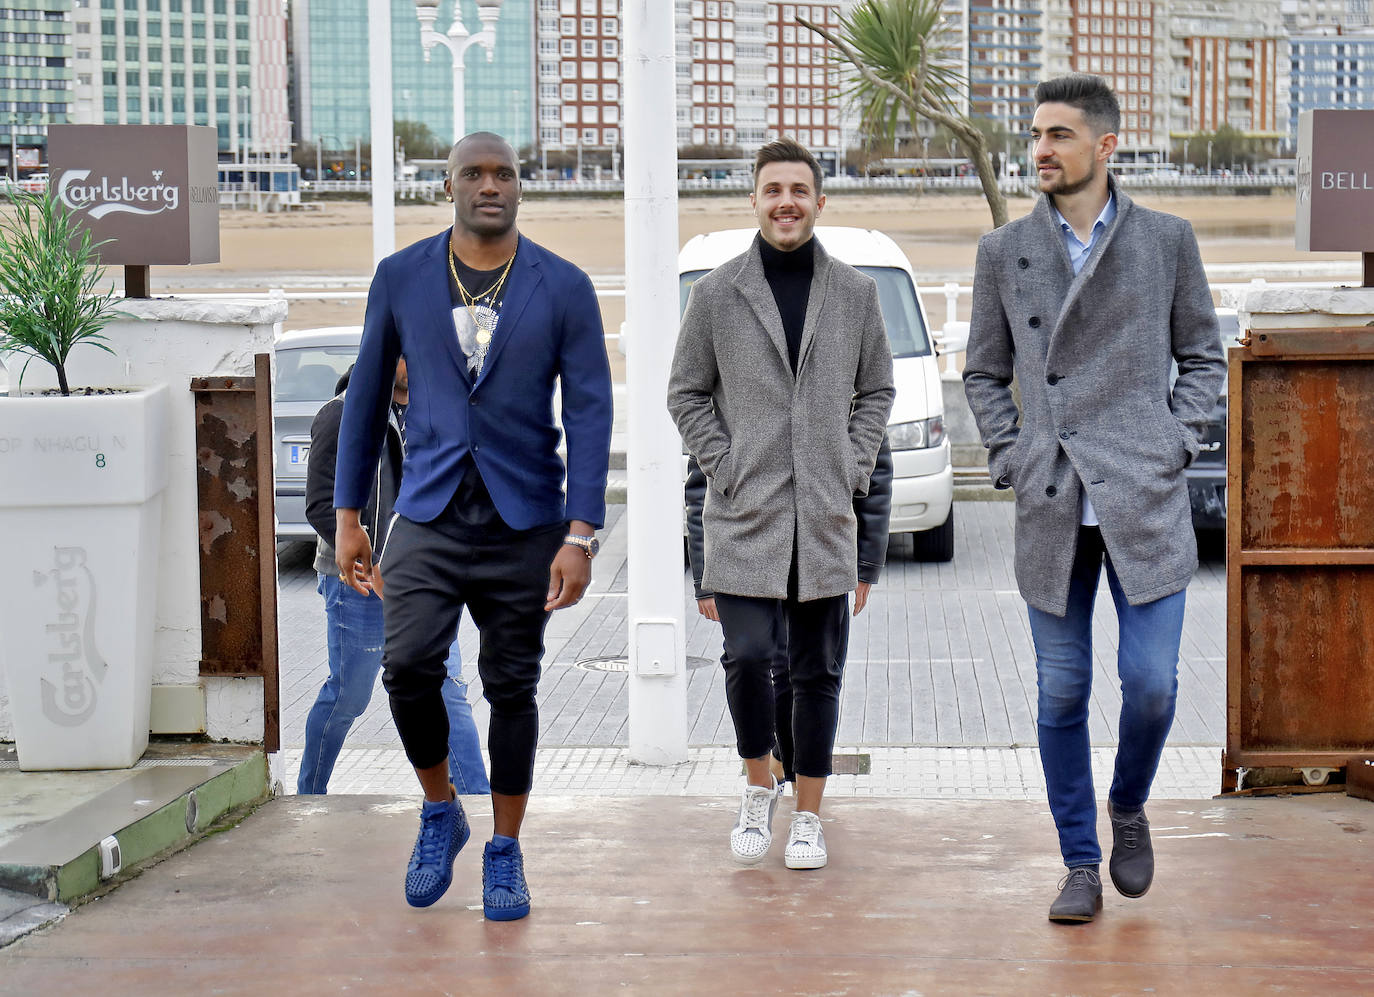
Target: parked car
(1207, 474)
(922, 478)
(309, 365)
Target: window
(588, 48)
(570, 91)
(589, 116)
(610, 91)
(612, 136)
(589, 136)
(610, 48)
(568, 47)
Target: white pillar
(383, 131)
(658, 677)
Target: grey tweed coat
(1091, 355)
(785, 455)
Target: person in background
(354, 621)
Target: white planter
(81, 482)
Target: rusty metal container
(1300, 550)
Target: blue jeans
(354, 634)
(1147, 663)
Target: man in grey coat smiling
(1087, 302)
(781, 387)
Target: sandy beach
(938, 232)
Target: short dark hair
(786, 150)
(1090, 94)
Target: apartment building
(36, 78)
(1330, 69)
(1228, 65)
(1302, 16)
(1006, 59)
(579, 69)
(220, 63)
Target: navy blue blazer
(550, 331)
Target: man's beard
(1065, 187)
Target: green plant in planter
(49, 276)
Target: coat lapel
(433, 277)
(752, 285)
(820, 279)
(524, 278)
(1123, 205)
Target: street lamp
(1209, 158)
(458, 41)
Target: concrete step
(54, 822)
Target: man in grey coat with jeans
(781, 386)
(1087, 302)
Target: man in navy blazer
(490, 324)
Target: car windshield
(906, 331)
(309, 374)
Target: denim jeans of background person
(1086, 302)
(354, 620)
(490, 519)
(354, 633)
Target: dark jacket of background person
(872, 510)
(319, 480)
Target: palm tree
(905, 56)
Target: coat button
(1050, 490)
(1035, 321)
(1063, 434)
(1053, 379)
(1023, 263)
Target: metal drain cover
(622, 664)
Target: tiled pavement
(939, 688)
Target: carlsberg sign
(151, 189)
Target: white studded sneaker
(753, 834)
(805, 843)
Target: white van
(922, 481)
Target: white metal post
(658, 677)
(383, 131)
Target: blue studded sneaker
(505, 897)
(443, 833)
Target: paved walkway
(636, 896)
(940, 660)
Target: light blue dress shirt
(1079, 252)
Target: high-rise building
(578, 68)
(330, 69)
(1006, 47)
(36, 77)
(1304, 15)
(1229, 67)
(803, 95)
(1330, 70)
(220, 63)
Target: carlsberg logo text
(73, 670)
(101, 196)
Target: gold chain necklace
(472, 302)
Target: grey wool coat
(1091, 355)
(784, 455)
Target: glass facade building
(35, 78)
(330, 65)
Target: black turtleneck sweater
(789, 276)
